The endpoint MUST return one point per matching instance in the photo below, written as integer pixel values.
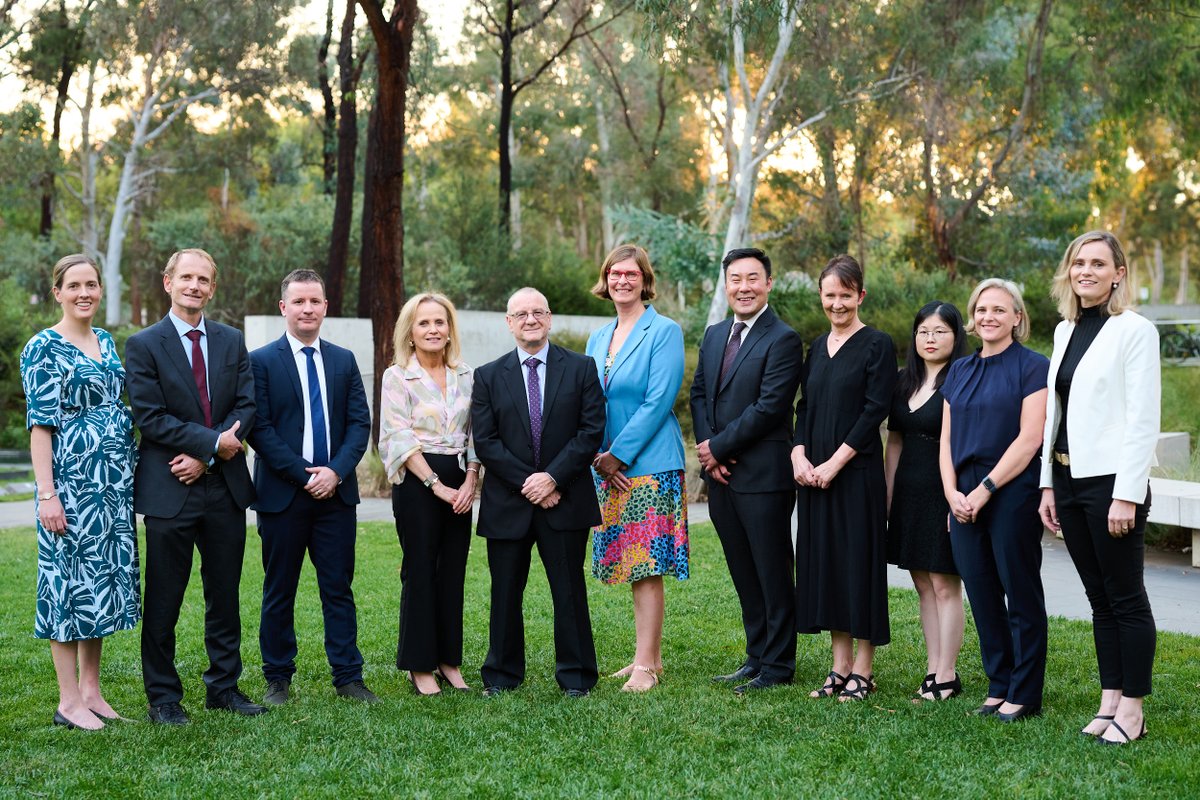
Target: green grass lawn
(687, 738)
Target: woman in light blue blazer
(639, 472)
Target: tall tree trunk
(328, 129)
(347, 152)
(66, 71)
(88, 162)
(381, 286)
(604, 173)
(507, 96)
(515, 229)
(831, 200)
(1181, 293)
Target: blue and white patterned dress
(87, 582)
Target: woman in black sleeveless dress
(918, 537)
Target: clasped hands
(460, 499)
(805, 474)
(188, 469)
(541, 490)
(716, 470)
(609, 468)
(966, 507)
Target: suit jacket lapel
(713, 358)
(752, 337)
(635, 338)
(173, 346)
(287, 360)
(218, 342)
(515, 381)
(554, 374)
(327, 365)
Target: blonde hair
(1021, 329)
(73, 260)
(169, 269)
(402, 336)
(623, 252)
(1120, 299)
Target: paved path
(1173, 585)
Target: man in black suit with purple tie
(537, 418)
(742, 398)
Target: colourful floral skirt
(645, 530)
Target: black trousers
(562, 554)
(211, 522)
(1111, 569)
(325, 529)
(1000, 559)
(435, 542)
(756, 535)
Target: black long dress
(841, 567)
(918, 536)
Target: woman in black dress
(918, 538)
(841, 572)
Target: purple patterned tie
(731, 350)
(535, 409)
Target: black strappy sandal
(863, 686)
(1105, 717)
(926, 687)
(1128, 739)
(833, 686)
(953, 687)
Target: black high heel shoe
(947, 690)
(445, 683)
(417, 690)
(1127, 738)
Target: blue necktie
(317, 410)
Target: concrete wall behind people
(484, 336)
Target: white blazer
(1115, 405)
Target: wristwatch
(431, 480)
(989, 484)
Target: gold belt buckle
(1062, 458)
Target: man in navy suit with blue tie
(311, 429)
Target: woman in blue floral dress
(81, 441)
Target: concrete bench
(1177, 503)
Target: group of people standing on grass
(981, 452)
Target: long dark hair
(913, 375)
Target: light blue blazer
(643, 382)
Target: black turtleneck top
(1090, 321)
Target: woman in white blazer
(1102, 421)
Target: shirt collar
(298, 345)
(750, 322)
(540, 355)
(182, 328)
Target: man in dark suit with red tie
(192, 397)
(311, 430)
(537, 418)
(742, 398)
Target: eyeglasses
(628, 275)
(521, 316)
(936, 333)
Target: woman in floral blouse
(425, 443)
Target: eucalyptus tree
(162, 58)
(755, 95)
(381, 264)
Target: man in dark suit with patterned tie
(192, 397)
(311, 429)
(537, 418)
(742, 398)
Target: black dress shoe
(233, 700)
(277, 694)
(168, 714)
(986, 710)
(742, 674)
(576, 692)
(59, 719)
(496, 691)
(357, 690)
(1024, 712)
(760, 682)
